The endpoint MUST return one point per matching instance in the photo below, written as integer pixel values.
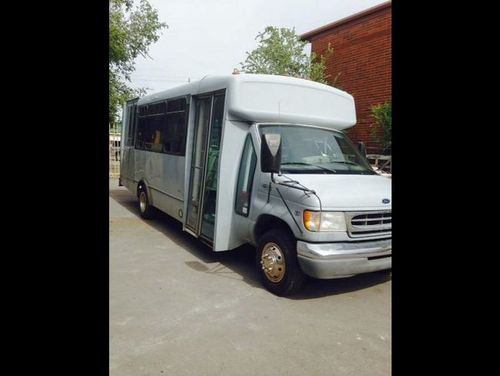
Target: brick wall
(362, 54)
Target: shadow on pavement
(316, 288)
(241, 260)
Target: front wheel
(277, 263)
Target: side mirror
(270, 153)
(362, 148)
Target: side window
(150, 130)
(344, 150)
(141, 130)
(245, 178)
(131, 126)
(149, 133)
(155, 127)
(174, 140)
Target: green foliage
(381, 130)
(132, 29)
(281, 52)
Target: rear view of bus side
(194, 152)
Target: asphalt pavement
(177, 308)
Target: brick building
(362, 56)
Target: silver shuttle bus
(261, 159)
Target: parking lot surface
(177, 308)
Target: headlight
(324, 221)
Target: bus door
(202, 198)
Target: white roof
(270, 98)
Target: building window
(245, 178)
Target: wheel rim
(142, 202)
(273, 262)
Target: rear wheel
(277, 263)
(145, 208)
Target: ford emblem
(385, 201)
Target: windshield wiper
(346, 162)
(308, 164)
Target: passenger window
(155, 125)
(174, 141)
(149, 135)
(141, 133)
(161, 127)
(245, 178)
(131, 126)
(150, 127)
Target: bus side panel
(127, 164)
(167, 204)
(163, 174)
(139, 166)
(229, 232)
(127, 169)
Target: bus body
(194, 152)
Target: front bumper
(336, 260)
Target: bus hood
(349, 192)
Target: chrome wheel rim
(142, 202)
(273, 262)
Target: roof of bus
(211, 83)
(262, 97)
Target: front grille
(371, 219)
(366, 224)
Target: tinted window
(161, 127)
(174, 141)
(131, 125)
(150, 132)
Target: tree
(381, 130)
(281, 52)
(132, 29)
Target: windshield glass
(309, 150)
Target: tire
(276, 250)
(145, 209)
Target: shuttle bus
(261, 159)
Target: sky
(212, 36)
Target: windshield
(309, 150)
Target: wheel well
(267, 222)
(139, 186)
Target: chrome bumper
(336, 260)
